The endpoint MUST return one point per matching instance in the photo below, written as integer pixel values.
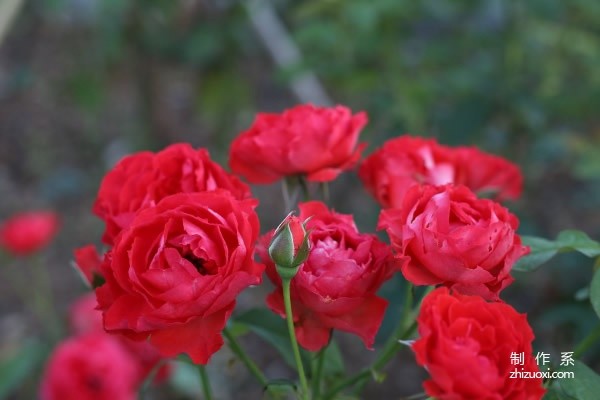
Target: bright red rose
(466, 344)
(336, 287)
(85, 318)
(25, 233)
(318, 142)
(90, 367)
(446, 235)
(405, 161)
(141, 180)
(173, 275)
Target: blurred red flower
(90, 367)
(26, 233)
(85, 318)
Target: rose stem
(304, 185)
(44, 297)
(391, 347)
(205, 382)
(316, 379)
(290, 323)
(324, 191)
(239, 351)
(587, 342)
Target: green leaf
(556, 394)
(20, 366)
(271, 328)
(585, 385)
(333, 364)
(543, 250)
(281, 387)
(595, 292)
(573, 240)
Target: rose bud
(289, 247)
(336, 287)
(25, 233)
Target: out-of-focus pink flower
(25, 233)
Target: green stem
(44, 298)
(290, 323)
(304, 185)
(587, 342)
(316, 379)
(205, 383)
(391, 347)
(325, 191)
(239, 351)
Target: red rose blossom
(336, 287)
(92, 366)
(446, 235)
(141, 180)
(173, 275)
(405, 161)
(466, 344)
(25, 233)
(85, 318)
(319, 142)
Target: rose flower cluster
(184, 240)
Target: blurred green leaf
(20, 366)
(584, 386)
(272, 329)
(333, 364)
(595, 292)
(543, 250)
(281, 387)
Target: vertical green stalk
(304, 186)
(205, 383)
(587, 342)
(290, 323)
(316, 379)
(44, 297)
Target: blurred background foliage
(83, 82)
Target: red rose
(466, 345)
(446, 235)
(85, 318)
(316, 141)
(25, 233)
(405, 161)
(141, 180)
(335, 288)
(92, 366)
(174, 273)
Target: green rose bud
(289, 247)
